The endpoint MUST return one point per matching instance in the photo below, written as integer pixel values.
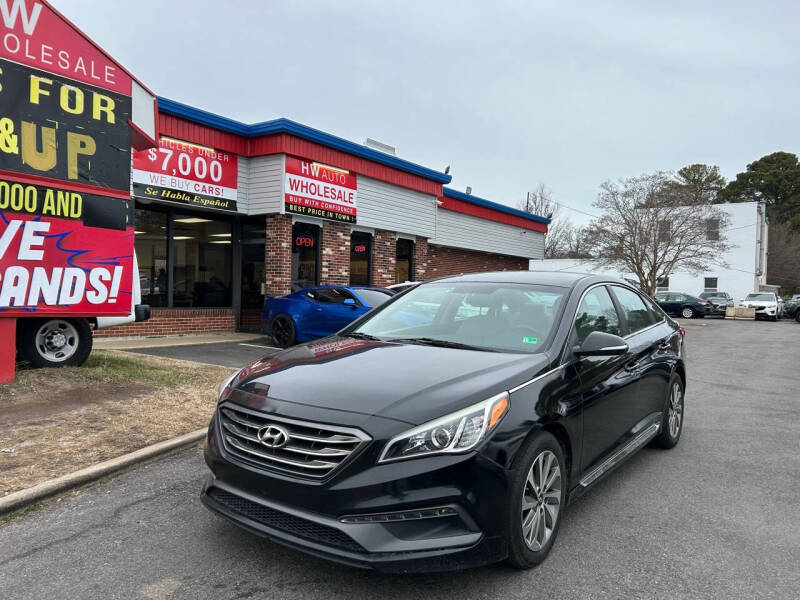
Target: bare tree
(563, 239)
(540, 202)
(576, 243)
(651, 227)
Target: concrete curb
(51, 487)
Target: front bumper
(766, 311)
(306, 515)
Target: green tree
(774, 179)
(702, 183)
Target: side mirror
(349, 301)
(599, 343)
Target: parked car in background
(720, 301)
(455, 442)
(767, 305)
(318, 311)
(402, 287)
(791, 305)
(683, 305)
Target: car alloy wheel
(675, 410)
(541, 500)
(57, 340)
(283, 331)
(687, 312)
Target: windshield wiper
(362, 336)
(440, 343)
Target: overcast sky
(508, 94)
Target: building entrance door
(252, 248)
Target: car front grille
(276, 519)
(312, 450)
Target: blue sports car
(317, 311)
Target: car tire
(687, 312)
(283, 331)
(54, 342)
(672, 422)
(797, 316)
(531, 510)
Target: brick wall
(384, 255)
(171, 321)
(335, 256)
(443, 260)
(420, 259)
(278, 255)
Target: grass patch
(20, 513)
(106, 366)
(56, 421)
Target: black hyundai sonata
(449, 427)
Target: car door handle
(632, 365)
(318, 309)
(665, 345)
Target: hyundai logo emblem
(273, 436)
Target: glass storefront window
(360, 250)
(405, 261)
(305, 255)
(202, 263)
(150, 243)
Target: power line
(583, 212)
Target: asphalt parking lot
(227, 354)
(717, 517)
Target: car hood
(407, 382)
(759, 303)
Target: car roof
(554, 278)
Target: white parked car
(767, 305)
(402, 287)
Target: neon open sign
(360, 248)
(306, 241)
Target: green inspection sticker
(530, 340)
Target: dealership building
(229, 213)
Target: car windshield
(761, 297)
(501, 317)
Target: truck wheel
(54, 342)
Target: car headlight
(224, 389)
(455, 433)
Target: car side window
(332, 295)
(596, 313)
(633, 307)
(657, 311)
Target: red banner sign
(59, 265)
(34, 34)
(178, 171)
(318, 190)
(66, 241)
